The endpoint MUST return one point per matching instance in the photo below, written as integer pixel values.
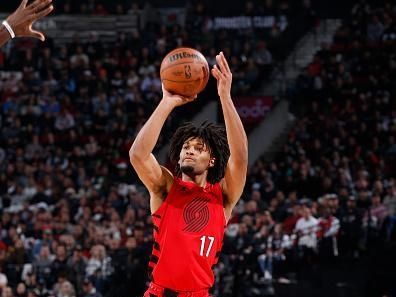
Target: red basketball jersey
(188, 232)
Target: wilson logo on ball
(183, 55)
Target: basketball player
(190, 210)
(19, 23)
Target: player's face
(195, 157)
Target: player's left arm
(235, 174)
(20, 22)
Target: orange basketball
(184, 71)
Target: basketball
(184, 71)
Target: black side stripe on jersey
(150, 273)
(156, 216)
(154, 259)
(157, 246)
(156, 228)
(169, 293)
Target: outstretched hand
(22, 19)
(221, 71)
(177, 100)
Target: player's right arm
(21, 20)
(155, 177)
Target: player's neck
(199, 180)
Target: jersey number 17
(203, 241)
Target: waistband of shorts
(165, 292)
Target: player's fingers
(23, 4)
(187, 99)
(227, 67)
(43, 12)
(222, 64)
(39, 6)
(219, 71)
(216, 72)
(32, 6)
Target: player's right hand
(176, 100)
(22, 19)
(222, 73)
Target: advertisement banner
(253, 109)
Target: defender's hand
(221, 71)
(176, 100)
(22, 19)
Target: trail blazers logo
(196, 215)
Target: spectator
(59, 265)
(277, 244)
(77, 266)
(79, 59)
(21, 290)
(375, 29)
(328, 228)
(306, 228)
(390, 200)
(3, 279)
(7, 292)
(66, 290)
(89, 288)
(260, 243)
(99, 267)
(377, 209)
(290, 222)
(43, 264)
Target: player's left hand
(221, 71)
(22, 19)
(174, 99)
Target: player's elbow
(134, 156)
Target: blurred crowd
(329, 199)
(75, 220)
(326, 205)
(217, 8)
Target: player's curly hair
(214, 137)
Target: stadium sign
(247, 22)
